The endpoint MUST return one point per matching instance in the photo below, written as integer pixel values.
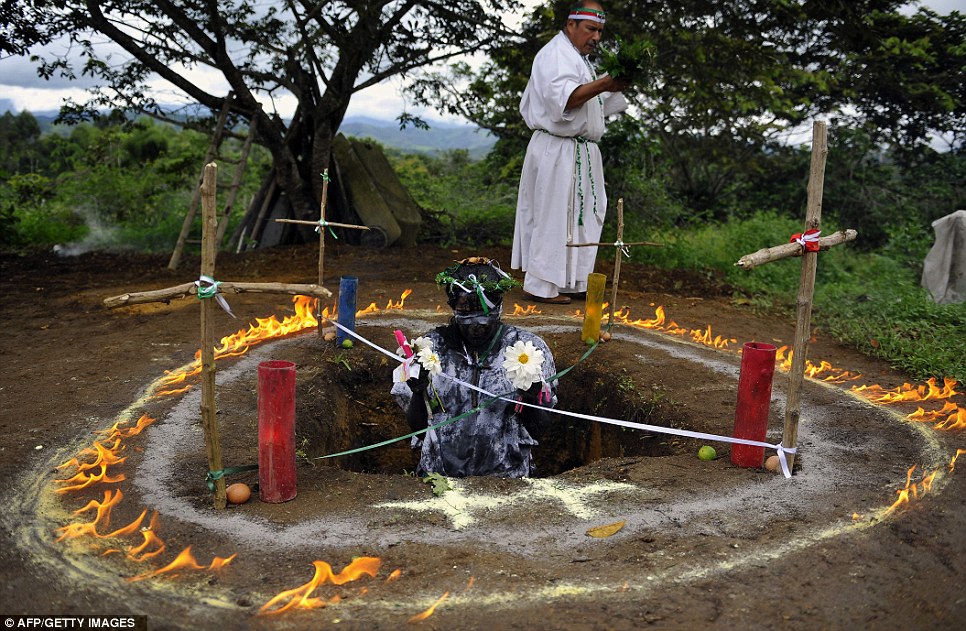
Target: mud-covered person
(472, 351)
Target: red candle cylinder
(754, 401)
(276, 431)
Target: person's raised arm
(587, 91)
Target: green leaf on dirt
(440, 483)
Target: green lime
(707, 453)
(589, 341)
(347, 343)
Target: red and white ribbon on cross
(808, 240)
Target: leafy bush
(870, 301)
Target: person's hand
(619, 84)
(419, 384)
(532, 394)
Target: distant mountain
(438, 138)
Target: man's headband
(579, 13)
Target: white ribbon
(623, 248)
(778, 447)
(807, 237)
(478, 291)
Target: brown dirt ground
(705, 545)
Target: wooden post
(209, 251)
(321, 225)
(619, 246)
(806, 290)
(617, 261)
(325, 196)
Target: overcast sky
(22, 89)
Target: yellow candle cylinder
(596, 283)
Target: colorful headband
(580, 13)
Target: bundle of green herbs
(631, 60)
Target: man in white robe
(562, 198)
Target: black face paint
(477, 327)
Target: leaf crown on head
(501, 284)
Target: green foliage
(467, 201)
(880, 309)
(870, 301)
(632, 60)
(439, 483)
(120, 185)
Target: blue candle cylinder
(347, 306)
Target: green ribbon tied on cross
(208, 288)
(477, 288)
(325, 175)
(217, 475)
(325, 224)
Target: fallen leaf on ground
(606, 530)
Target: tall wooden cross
(806, 286)
(621, 248)
(212, 289)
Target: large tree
(320, 51)
(731, 78)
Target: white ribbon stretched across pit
(778, 447)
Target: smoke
(100, 236)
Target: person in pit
(562, 197)
(474, 349)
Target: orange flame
(102, 518)
(394, 575)
(705, 338)
(623, 317)
(422, 616)
(528, 311)
(126, 432)
(138, 552)
(103, 455)
(264, 329)
(956, 420)
(908, 393)
(82, 480)
(184, 561)
(952, 463)
(955, 416)
(299, 597)
(912, 489)
(836, 375)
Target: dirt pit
(702, 544)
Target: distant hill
(438, 138)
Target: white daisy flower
(523, 363)
(421, 343)
(429, 360)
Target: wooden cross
(620, 245)
(321, 225)
(209, 250)
(806, 287)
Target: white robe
(559, 172)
